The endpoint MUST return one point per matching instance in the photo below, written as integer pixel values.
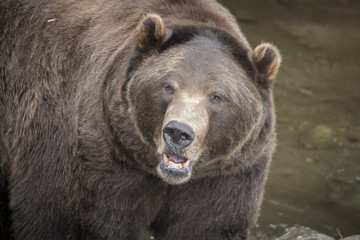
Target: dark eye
(215, 99)
(169, 89)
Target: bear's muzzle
(174, 169)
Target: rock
(354, 237)
(303, 233)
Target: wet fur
(73, 163)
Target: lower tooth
(175, 165)
(166, 160)
(185, 164)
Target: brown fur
(84, 98)
(151, 30)
(267, 59)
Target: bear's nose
(178, 135)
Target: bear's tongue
(174, 161)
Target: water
(314, 179)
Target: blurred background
(314, 178)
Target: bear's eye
(215, 99)
(169, 89)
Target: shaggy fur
(86, 89)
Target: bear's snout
(176, 162)
(178, 135)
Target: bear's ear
(267, 59)
(151, 31)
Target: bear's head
(199, 98)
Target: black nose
(178, 135)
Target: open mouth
(174, 169)
(175, 162)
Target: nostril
(185, 136)
(178, 135)
(169, 131)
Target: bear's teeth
(166, 160)
(185, 164)
(175, 165)
(172, 164)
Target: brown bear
(121, 115)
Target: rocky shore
(305, 233)
(292, 233)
